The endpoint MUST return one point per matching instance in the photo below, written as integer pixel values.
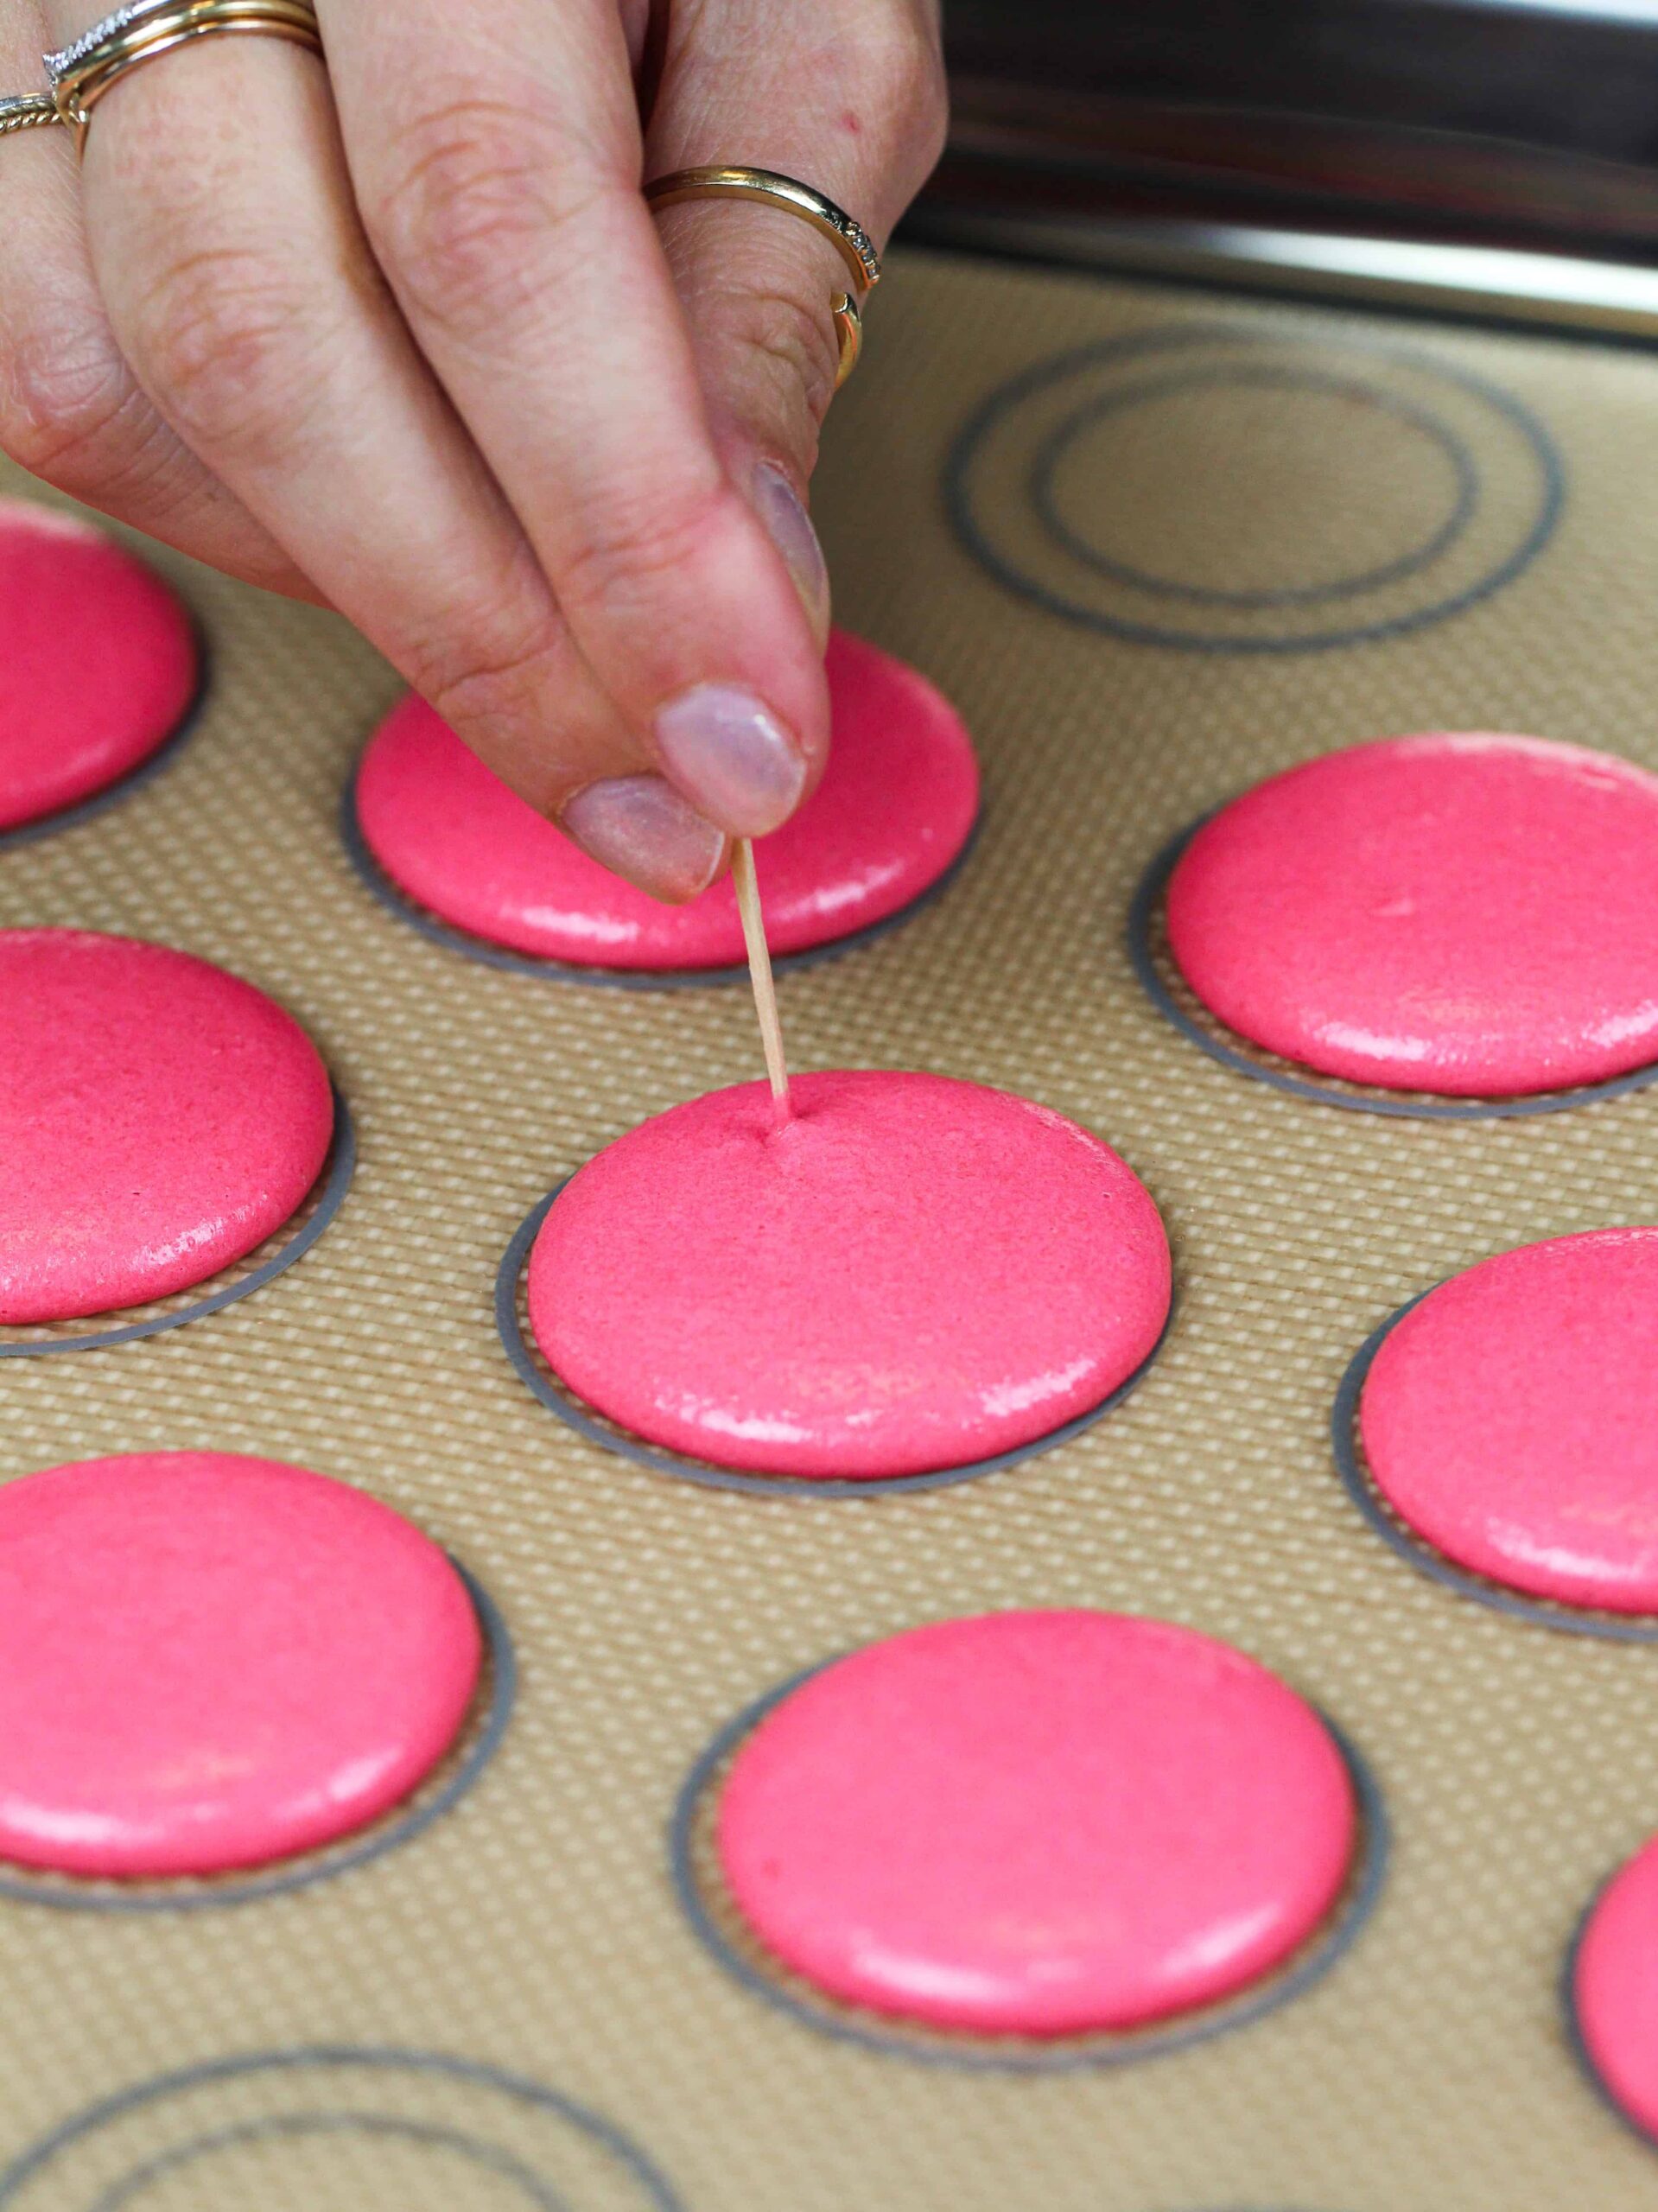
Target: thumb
(847, 96)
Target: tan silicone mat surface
(535, 1929)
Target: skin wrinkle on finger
(71, 412)
(259, 324)
(466, 226)
(756, 282)
(869, 135)
(679, 597)
(246, 364)
(757, 293)
(531, 271)
(457, 223)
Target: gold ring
(95, 63)
(769, 186)
(27, 111)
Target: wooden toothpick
(759, 971)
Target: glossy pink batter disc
(1038, 1823)
(1615, 1987)
(1471, 915)
(208, 1662)
(97, 662)
(912, 1273)
(1512, 1419)
(895, 808)
(158, 1118)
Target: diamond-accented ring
(119, 19)
(771, 186)
(142, 30)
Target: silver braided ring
(27, 111)
(80, 73)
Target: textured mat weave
(1466, 536)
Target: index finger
(496, 159)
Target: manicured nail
(781, 508)
(730, 757)
(640, 828)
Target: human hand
(403, 338)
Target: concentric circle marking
(319, 2118)
(272, 1259)
(447, 846)
(1456, 487)
(453, 1779)
(530, 1364)
(70, 748)
(218, 2146)
(714, 1919)
(1607, 1985)
(1179, 1006)
(1360, 1486)
(1057, 448)
(440, 933)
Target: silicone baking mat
(1155, 545)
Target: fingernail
(730, 757)
(640, 828)
(781, 508)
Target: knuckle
(901, 65)
(790, 338)
(224, 335)
(488, 677)
(643, 539)
(464, 207)
(929, 122)
(68, 402)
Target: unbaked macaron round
(99, 659)
(1466, 914)
(210, 1661)
(1037, 1824)
(908, 1274)
(1511, 1418)
(158, 1119)
(1614, 1987)
(895, 809)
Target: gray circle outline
(324, 1862)
(417, 916)
(481, 2152)
(1143, 907)
(559, 1400)
(1427, 1558)
(1571, 2018)
(1341, 1930)
(389, 2057)
(336, 1181)
(152, 765)
(1052, 451)
(1000, 402)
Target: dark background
(1523, 122)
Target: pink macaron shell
(1511, 1419)
(895, 808)
(210, 1661)
(1466, 914)
(1614, 1987)
(99, 659)
(1037, 1824)
(911, 1273)
(158, 1119)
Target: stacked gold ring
(27, 111)
(85, 72)
(772, 188)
